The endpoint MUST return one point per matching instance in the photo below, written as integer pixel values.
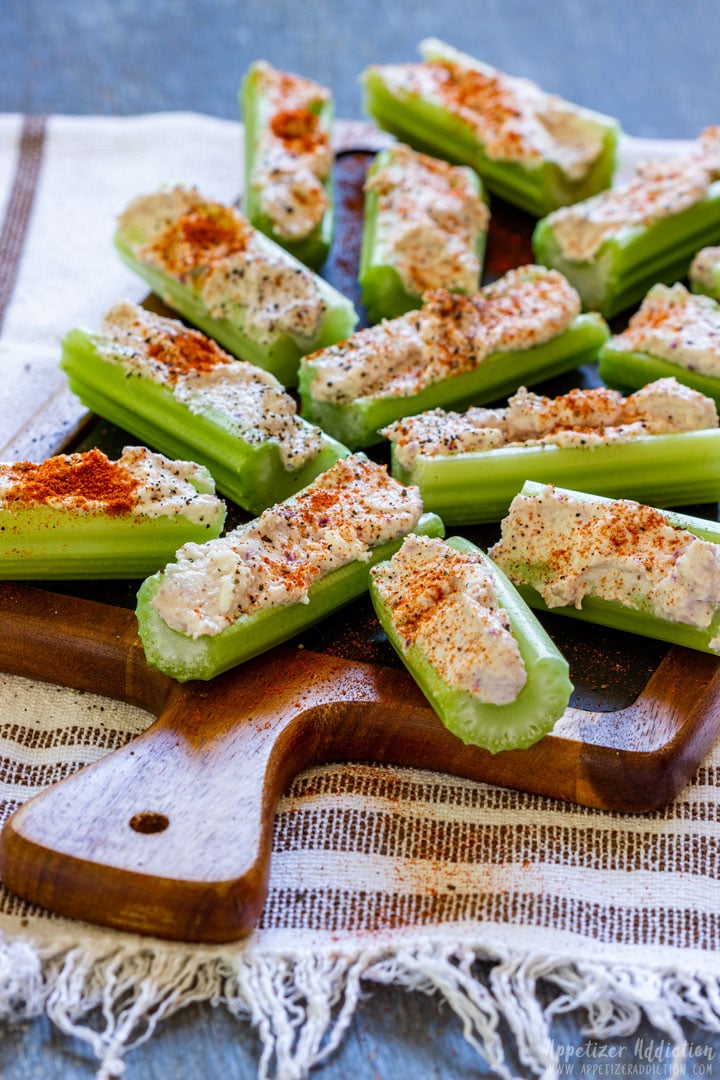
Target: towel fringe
(113, 996)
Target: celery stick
(260, 108)
(636, 616)
(68, 532)
(356, 424)
(278, 351)
(421, 183)
(542, 700)
(251, 473)
(627, 263)
(437, 126)
(185, 658)
(478, 486)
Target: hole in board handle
(149, 822)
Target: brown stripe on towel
(19, 207)
(367, 911)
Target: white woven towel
(378, 874)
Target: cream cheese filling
(449, 335)
(444, 602)
(617, 550)
(675, 325)
(276, 558)
(593, 417)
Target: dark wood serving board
(171, 835)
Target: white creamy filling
(258, 286)
(276, 558)
(592, 417)
(676, 325)
(444, 602)
(659, 190)
(259, 411)
(450, 334)
(569, 548)
(252, 399)
(512, 117)
(705, 269)
(168, 487)
(276, 295)
(429, 219)
(293, 199)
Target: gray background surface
(652, 63)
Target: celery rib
(383, 293)
(661, 470)
(540, 703)
(612, 612)
(624, 267)
(183, 657)
(537, 187)
(312, 250)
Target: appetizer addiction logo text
(643, 1056)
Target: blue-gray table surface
(652, 63)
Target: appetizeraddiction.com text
(653, 1059)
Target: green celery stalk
(611, 612)
(536, 186)
(356, 424)
(625, 265)
(251, 475)
(183, 657)
(40, 541)
(383, 291)
(281, 356)
(624, 368)
(541, 701)
(313, 248)
(478, 486)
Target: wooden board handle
(171, 834)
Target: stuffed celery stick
(207, 262)
(84, 516)
(615, 246)
(530, 147)
(660, 445)
(223, 602)
(674, 332)
(178, 391)
(704, 272)
(615, 562)
(476, 650)
(288, 160)
(456, 349)
(425, 227)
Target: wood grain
(171, 835)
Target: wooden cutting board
(171, 835)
